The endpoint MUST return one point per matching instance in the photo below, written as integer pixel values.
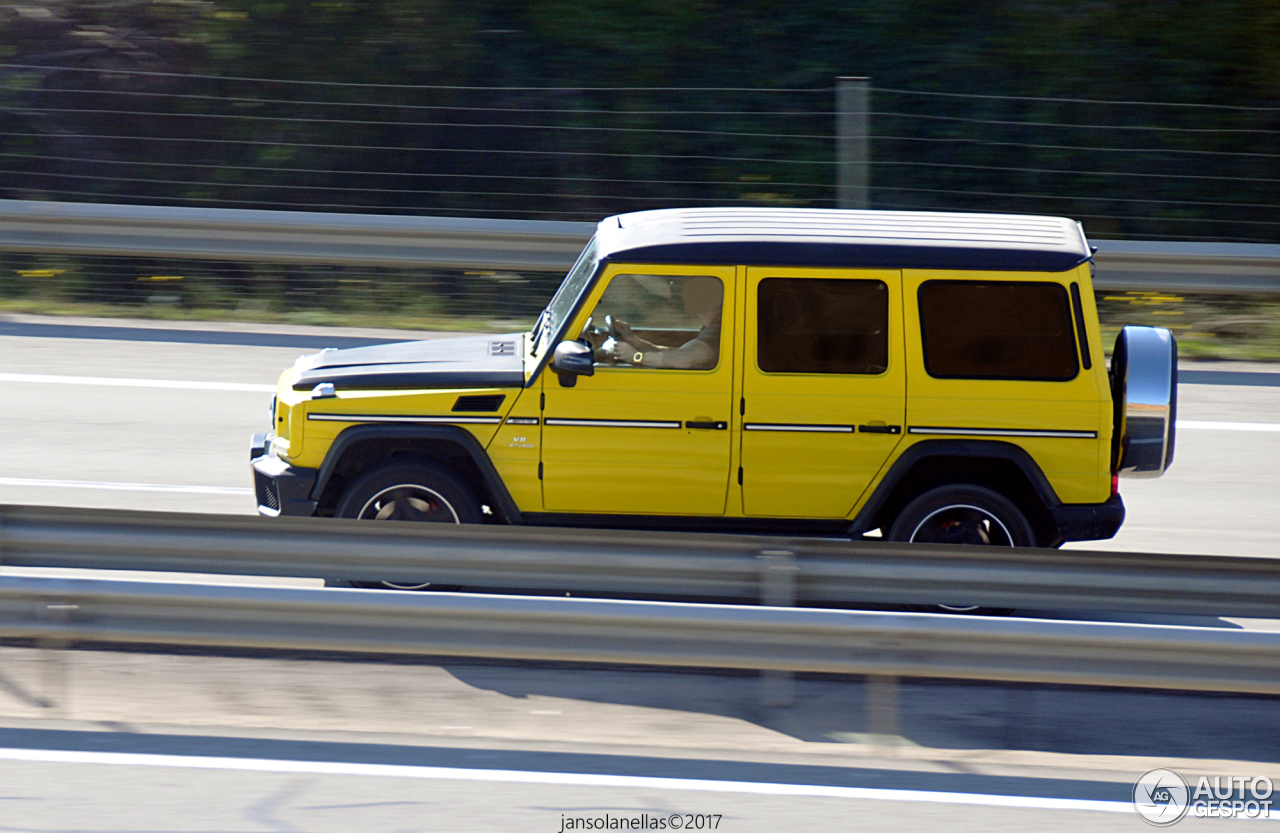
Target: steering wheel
(592, 334)
(596, 337)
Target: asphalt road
(106, 741)
(168, 797)
(133, 415)
(82, 429)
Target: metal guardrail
(58, 611)
(1187, 267)
(522, 245)
(290, 236)
(737, 568)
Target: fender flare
(988, 449)
(442, 434)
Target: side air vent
(488, 403)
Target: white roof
(821, 235)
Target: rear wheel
(409, 491)
(963, 515)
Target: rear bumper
(1089, 521)
(281, 489)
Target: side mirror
(571, 360)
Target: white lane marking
(112, 382)
(123, 487)
(1270, 427)
(580, 779)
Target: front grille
(268, 491)
(486, 402)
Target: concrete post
(853, 142)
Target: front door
(824, 388)
(647, 434)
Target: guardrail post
(777, 589)
(853, 142)
(55, 659)
(53, 654)
(882, 709)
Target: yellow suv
(938, 377)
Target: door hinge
(542, 402)
(539, 471)
(742, 406)
(739, 475)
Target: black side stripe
(813, 429)
(1002, 432)
(430, 420)
(612, 423)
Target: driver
(702, 297)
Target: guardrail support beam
(66, 228)
(777, 589)
(882, 709)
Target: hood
(492, 361)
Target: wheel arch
(1000, 466)
(360, 447)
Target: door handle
(879, 429)
(708, 425)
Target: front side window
(660, 321)
(997, 330)
(822, 325)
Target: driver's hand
(622, 331)
(622, 352)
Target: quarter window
(823, 325)
(997, 330)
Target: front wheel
(963, 515)
(409, 491)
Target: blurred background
(1150, 121)
(1143, 120)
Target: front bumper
(281, 489)
(1089, 521)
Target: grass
(1215, 327)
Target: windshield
(566, 297)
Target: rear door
(995, 356)
(823, 387)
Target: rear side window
(819, 325)
(997, 330)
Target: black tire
(417, 492)
(963, 515)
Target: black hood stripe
(364, 379)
